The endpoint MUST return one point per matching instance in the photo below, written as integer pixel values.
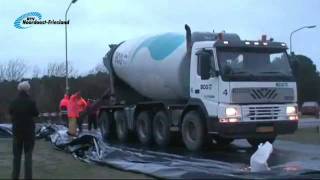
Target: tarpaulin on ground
(5, 130)
(89, 147)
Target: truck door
(203, 79)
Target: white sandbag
(258, 160)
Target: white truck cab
(246, 87)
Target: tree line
(48, 86)
(16, 69)
(307, 77)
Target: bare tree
(15, 70)
(36, 72)
(55, 69)
(2, 72)
(59, 70)
(98, 68)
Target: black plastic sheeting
(89, 147)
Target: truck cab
(246, 88)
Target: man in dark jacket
(22, 111)
(92, 115)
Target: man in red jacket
(63, 106)
(73, 114)
(76, 105)
(82, 104)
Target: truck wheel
(161, 129)
(121, 126)
(193, 131)
(255, 142)
(223, 141)
(144, 128)
(105, 125)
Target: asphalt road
(309, 122)
(299, 147)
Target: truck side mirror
(204, 61)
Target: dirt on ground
(49, 163)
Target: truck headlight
(231, 111)
(291, 110)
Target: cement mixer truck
(201, 87)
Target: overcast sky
(96, 23)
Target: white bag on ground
(258, 160)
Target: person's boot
(69, 133)
(72, 135)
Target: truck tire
(255, 142)
(193, 131)
(161, 129)
(121, 126)
(223, 141)
(144, 128)
(105, 125)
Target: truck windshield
(254, 65)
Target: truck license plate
(265, 129)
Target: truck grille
(264, 93)
(262, 113)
